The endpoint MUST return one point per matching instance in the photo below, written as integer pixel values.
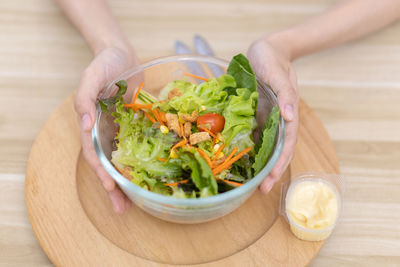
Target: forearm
(344, 22)
(94, 20)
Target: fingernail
(86, 122)
(289, 112)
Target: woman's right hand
(105, 67)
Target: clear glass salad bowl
(156, 74)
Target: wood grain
(176, 243)
(72, 218)
(354, 89)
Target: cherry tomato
(216, 122)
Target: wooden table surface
(354, 89)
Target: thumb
(89, 87)
(287, 94)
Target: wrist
(123, 51)
(119, 43)
(283, 42)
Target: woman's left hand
(271, 62)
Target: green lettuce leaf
(201, 174)
(106, 104)
(239, 119)
(240, 69)
(139, 144)
(226, 81)
(207, 147)
(182, 85)
(180, 193)
(205, 97)
(143, 180)
(141, 153)
(266, 141)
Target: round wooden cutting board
(74, 222)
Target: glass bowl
(156, 74)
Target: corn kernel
(216, 146)
(219, 137)
(173, 154)
(164, 129)
(220, 155)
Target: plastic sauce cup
(312, 193)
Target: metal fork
(203, 48)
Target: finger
(278, 170)
(119, 201)
(284, 84)
(88, 89)
(128, 202)
(85, 99)
(284, 159)
(91, 158)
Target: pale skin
(271, 57)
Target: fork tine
(195, 68)
(204, 48)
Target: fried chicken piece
(199, 137)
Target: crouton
(189, 117)
(219, 161)
(173, 122)
(174, 92)
(187, 129)
(126, 172)
(199, 137)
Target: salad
(195, 140)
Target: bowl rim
(168, 200)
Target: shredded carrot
(228, 163)
(162, 115)
(150, 117)
(230, 182)
(205, 156)
(195, 76)
(138, 106)
(118, 170)
(162, 159)
(219, 150)
(175, 184)
(157, 116)
(221, 167)
(208, 131)
(179, 144)
(231, 154)
(181, 133)
(137, 92)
